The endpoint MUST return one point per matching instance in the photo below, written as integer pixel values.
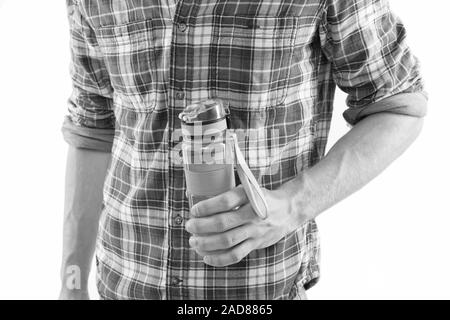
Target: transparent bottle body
(208, 167)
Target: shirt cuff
(87, 138)
(411, 103)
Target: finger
(221, 222)
(230, 257)
(208, 253)
(221, 241)
(224, 202)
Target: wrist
(298, 193)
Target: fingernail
(194, 211)
(187, 226)
(192, 241)
(207, 259)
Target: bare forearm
(85, 175)
(358, 157)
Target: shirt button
(178, 220)
(175, 281)
(180, 95)
(182, 27)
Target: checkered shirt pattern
(137, 63)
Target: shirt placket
(177, 236)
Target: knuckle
(226, 201)
(233, 239)
(243, 234)
(221, 224)
(227, 241)
(235, 256)
(237, 217)
(197, 210)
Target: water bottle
(207, 150)
(211, 153)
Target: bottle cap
(206, 112)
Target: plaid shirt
(137, 64)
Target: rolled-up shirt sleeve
(365, 43)
(90, 120)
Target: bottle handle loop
(248, 180)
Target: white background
(389, 241)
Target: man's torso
(264, 59)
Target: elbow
(410, 104)
(418, 106)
